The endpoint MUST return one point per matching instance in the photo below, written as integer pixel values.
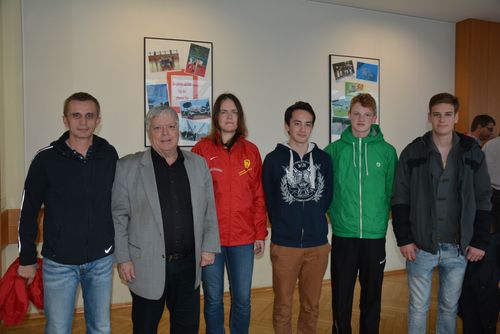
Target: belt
(175, 257)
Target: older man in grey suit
(165, 227)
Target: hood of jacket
(375, 135)
(294, 156)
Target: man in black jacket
(441, 213)
(72, 178)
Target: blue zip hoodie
(298, 193)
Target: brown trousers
(308, 265)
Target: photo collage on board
(349, 77)
(178, 75)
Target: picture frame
(349, 76)
(179, 74)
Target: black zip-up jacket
(76, 194)
(413, 196)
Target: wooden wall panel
(494, 73)
(462, 47)
(477, 70)
(8, 227)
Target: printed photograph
(338, 126)
(192, 130)
(343, 69)
(161, 61)
(156, 95)
(365, 71)
(340, 107)
(353, 88)
(197, 60)
(195, 109)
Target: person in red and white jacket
(236, 168)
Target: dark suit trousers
(180, 297)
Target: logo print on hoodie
(302, 182)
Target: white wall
(271, 53)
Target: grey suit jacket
(138, 222)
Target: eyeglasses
(88, 116)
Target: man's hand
(259, 248)
(126, 271)
(207, 259)
(409, 251)
(474, 254)
(27, 272)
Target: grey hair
(159, 111)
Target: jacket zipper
(360, 194)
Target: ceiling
(441, 10)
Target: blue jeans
(451, 263)
(60, 283)
(239, 264)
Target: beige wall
(11, 105)
(271, 53)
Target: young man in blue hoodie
(297, 179)
(363, 166)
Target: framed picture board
(178, 74)
(350, 76)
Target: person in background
(441, 213)
(297, 178)
(236, 168)
(72, 178)
(166, 227)
(363, 174)
(481, 128)
(480, 300)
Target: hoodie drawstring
(313, 171)
(312, 175)
(353, 154)
(366, 158)
(289, 172)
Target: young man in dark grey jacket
(441, 212)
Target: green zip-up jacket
(363, 176)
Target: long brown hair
(215, 131)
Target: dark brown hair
(241, 129)
(81, 96)
(444, 98)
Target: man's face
(81, 119)
(300, 128)
(362, 119)
(442, 118)
(486, 132)
(164, 134)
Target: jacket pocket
(134, 251)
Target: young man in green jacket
(363, 172)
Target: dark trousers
(351, 256)
(495, 211)
(182, 300)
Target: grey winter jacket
(413, 196)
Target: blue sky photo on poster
(366, 71)
(157, 95)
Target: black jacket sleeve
(33, 197)
(401, 203)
